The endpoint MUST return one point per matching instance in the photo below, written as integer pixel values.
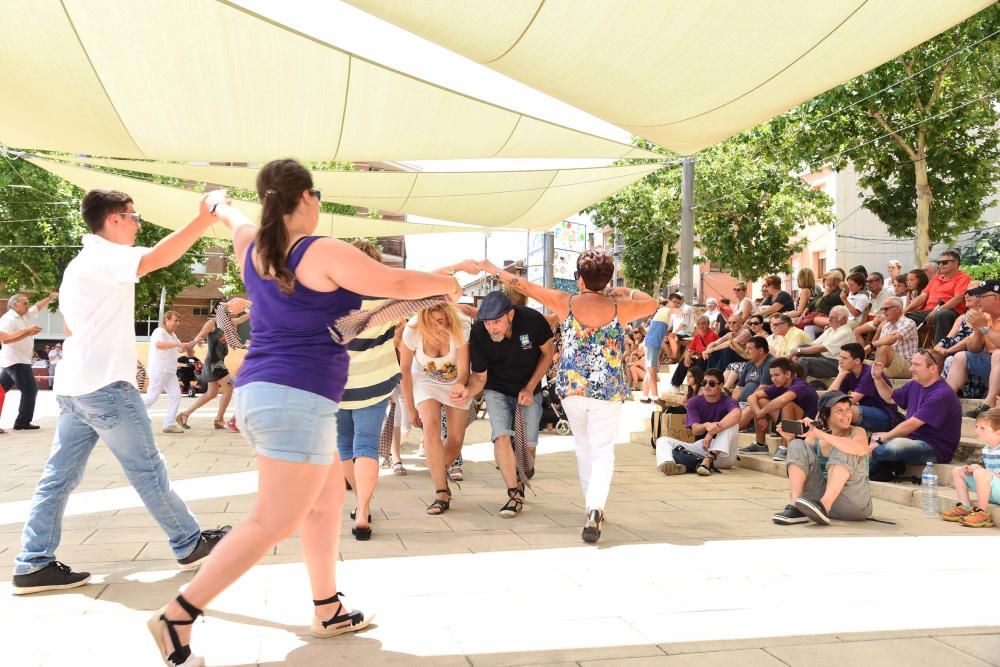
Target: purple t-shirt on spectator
(805, 396)
(939, 408)
(700, 411)
(865, 385)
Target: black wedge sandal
(181, 656)
(331, 627)
(515, 504)
(592, 527)
(441, 506)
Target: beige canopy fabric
(682, 74)
(206, 80)
(521, 199)
(173, 207)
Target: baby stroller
(552, 409)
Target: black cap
(985, 287)
(830, 399)
(493, 306)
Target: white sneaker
(173, 428)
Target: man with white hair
(821, 359)
(897, 340)
(15, 357)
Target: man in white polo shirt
(97, 395)
(15, 357)
(161, 365)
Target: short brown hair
(596, 268)
(171, 313)
(369, 249)
(991, 417)
(773, 281)
(97, 205)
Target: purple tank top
(290, 343)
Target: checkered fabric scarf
(521, 456)
(348, 327)
(140, 375)
(224, 321)
(385, 438)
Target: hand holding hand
(488, 266)
(459, 393)
(467, 266)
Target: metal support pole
(686, 265)
(549, 254)
(163, 303)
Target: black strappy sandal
(331, 627)
(441, 505)
(515, 503)
(181, 656)
(354, 515)
(592, 528)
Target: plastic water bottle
(928, 490)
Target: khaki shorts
(899, 369)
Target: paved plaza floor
(689, 570)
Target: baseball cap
(494, 306)
(985, 287)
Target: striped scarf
(348, 327)
(224, 321)
(522, 458)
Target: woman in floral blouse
(592, 381)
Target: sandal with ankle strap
(331, 627)
(592, 527)
(441, 506)
(181, 656)
(515, 504)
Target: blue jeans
(874, 420)
(115, 414)
(359, 431)
(501, 410)
(904, 450)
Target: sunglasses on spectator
(873, 280)
(945, 261)
(755, 323)
(710, 383)
(778, 323)
(738, 289)
(316, 193)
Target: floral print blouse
(591, 364)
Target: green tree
(930, 164)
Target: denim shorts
(286, 423)
(874, 419)
(500, 408)
(978, 364)
(994, 489)
(359, 431)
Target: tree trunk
(921, 236)
(659, 274)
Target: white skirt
(426, 389)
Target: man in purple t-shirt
(933, 424)
(855, 380)
(787, 397)
(715, 417)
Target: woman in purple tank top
(287, 394)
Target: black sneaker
(53, 577)
(789, 515)
(755, 448)
(814, 510)
(26, 427)
(209, 539)
(974, 413)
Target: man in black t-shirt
(510, 349)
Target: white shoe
(173, 428)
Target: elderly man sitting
(820, 359)
(897, 340)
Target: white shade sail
(172, 207)
(206, 80)
(682, 74)
(520, 199)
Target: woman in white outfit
(434, 361)
(591, 380)
(164, 347)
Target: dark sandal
(331, 627)
(362, 534)
(515, 504)
(181, 654)
(354, 515)
(441, 506)
(592, 528)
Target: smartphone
(792, 427)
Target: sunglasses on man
(710, 383)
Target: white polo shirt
(162, 361)
(19, 352)
(97, 300)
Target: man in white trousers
(715, 418)
(164, 347)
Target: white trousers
(595, 429)
(157, 383)
(724, 443)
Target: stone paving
(689, 571)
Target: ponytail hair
(280, 185)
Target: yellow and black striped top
(374, 370)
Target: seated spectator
(855, 299)
(722, 353)
(755, 372)
(744, 306)
(676, 403)
(716, 318)
(635, 358)
(652, 344)
(820, 358)
(695, 355)
(681, 324)
(785, 338)
(806, 281)
(819, 316)
(860, 268)
(896, 342)
(933, 424)
(981, 357)
(715, 417)
(894, 268)
(945, 295)
(875, 284)
(863, 332)
(916, 294)
(776, 300)
(985, 479)
(787, 397)
(899, 289)
(827, 468)
(855, 380)
(726, 308)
